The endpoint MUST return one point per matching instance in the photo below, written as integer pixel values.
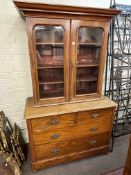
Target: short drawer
(51, 150)
(53, 122)
(70, 132)
(94, 115)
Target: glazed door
(49, 41)
(87, 59)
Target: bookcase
(68, 117)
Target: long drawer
(51, 150)
(70, 132)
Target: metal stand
(118, 69)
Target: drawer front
(52, 122)
(70, 132)
(64, 148)
(94, 115)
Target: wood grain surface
(69, 127)
(92, 104)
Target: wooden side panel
(30, 141)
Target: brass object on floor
(12, 147)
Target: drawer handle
(95, 115)
(55, 150)
(55, 136)
(92, 142)
(93, 129)
(54, 121)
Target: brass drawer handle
(93, 129)
(55, 136)
(54, 121)
(55, 150)
(95, 115)
(92, 142)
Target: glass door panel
(50, 60)
(88, 58)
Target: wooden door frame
(31, 23)
(75, 24)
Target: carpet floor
(90, 166)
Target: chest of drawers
(63, 133)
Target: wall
(15, 77)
